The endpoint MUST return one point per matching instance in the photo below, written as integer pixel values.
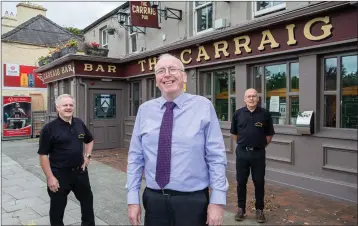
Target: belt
(173, 192)
(250, 148)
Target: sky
(69, 14)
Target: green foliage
(74, 30)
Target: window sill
(337, 133)
(204, 31)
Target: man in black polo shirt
(64, 161)
(252, 129)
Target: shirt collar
(257, 109)
(179, 100)
(64, 122)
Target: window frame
(337, 92)
(131, 96)
(132, 34)
(289, 93)
(154, 87)
(204, 73)
(258, 13)
(195, 20)
(104, 33)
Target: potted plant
(94, 50)
(56, 53)
(70, 47)
(111, 31)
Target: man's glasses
(172, 71)
(251, 97)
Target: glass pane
(260, 5)
(330, 111)
(105, 106)
(233, 83)
(150, 88)
(136, 95)
(221, 80)
(349, 104)
(134, 43)
(330, 74)
(158, 93)
(233, 106)
(295, 107)
(258, 74)
(204, 18)
(205, 84)
(276, 92)
(295, 78)
(198, 3)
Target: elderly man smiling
(178, 143)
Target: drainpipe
(85, 85)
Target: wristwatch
(88, 156)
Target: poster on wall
(22, 76)
(17, 121)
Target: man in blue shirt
(178, 143)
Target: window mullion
(338, 93)
(288, 88)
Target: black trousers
(77, 181)
(175, 208)
(256, 161)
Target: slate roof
(39, 31)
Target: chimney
(8, 22)
(28, 10)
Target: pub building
(303, 64)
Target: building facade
(300, 59)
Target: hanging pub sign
(143, 15)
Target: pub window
(265, 7)
(219, 87)
(278, 85)
(203, 16)
(134, 98)
(133, 36)
(55, 95)
(340, 85)
(153, 90)
(104, 37)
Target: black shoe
(240, 215)
(260, 217)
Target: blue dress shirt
(198, 158)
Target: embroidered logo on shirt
(81, 136)
(258, 124)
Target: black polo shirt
(252, 127)
(63, 142)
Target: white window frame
(131, 34)
(275, 8)
(195, 8)
(104, 33)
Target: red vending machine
(17, 121)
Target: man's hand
(53, 184)
(134, 214)
(215, 215)
(85, 164)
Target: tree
(74, 30)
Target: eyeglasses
(172, 71)
(251, 97)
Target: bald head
(175, 61)
(250, 91)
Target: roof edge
(241, 28)
(106, 16)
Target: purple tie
(164, 146)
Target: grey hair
(181, 65)
(59, 98)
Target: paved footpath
(25, 200)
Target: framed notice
(17, 121)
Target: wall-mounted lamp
(154, 4)
(123, 22)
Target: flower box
(97, 52)
(68, 50)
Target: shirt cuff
(133, 197)
(218, 197)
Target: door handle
(91, 123)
